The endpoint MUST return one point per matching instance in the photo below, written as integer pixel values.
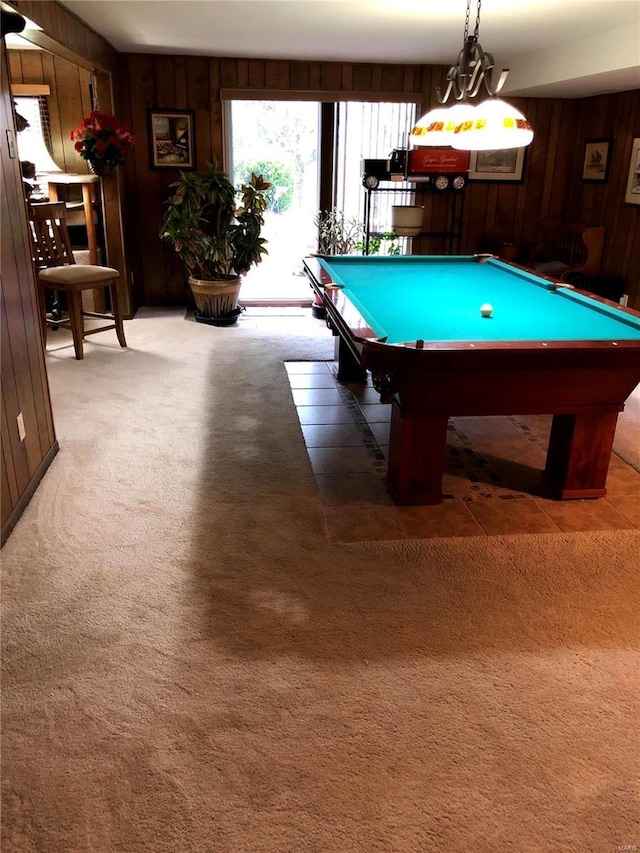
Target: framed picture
(171, 139)
(597, 155)
(633, 181)
(505, 165)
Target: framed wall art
(504, 165)
(597, 156)
(171, 139)
(633, 181)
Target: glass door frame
(327, 135)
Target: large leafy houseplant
(216, 236)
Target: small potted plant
(102, 141)
(217, 238)
(337, 234)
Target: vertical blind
(366, 130)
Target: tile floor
(492, 481)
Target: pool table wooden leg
(579, 452)
(417, 446)
(349, 367)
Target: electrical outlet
(21, 430)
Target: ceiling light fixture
(493, 124)
(496, 124)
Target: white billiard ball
(486, 310)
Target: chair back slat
(49, 235)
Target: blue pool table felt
(438, 298)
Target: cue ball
(486, 310)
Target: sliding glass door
(283, 141)
(366, 130)
(279, 139)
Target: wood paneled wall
(551, 184)
(553, 164)
(23, 380)
(553, 187)
(68, 103)
(195, 83)
(67, 36)
(616, 117)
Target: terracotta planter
(216, 299)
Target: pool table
(544, 348)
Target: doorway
(309, 150)
(279, 140)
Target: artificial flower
(101, 136)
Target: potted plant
(217, 239)
(337, 234)
(102, 141)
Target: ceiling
(553, 48)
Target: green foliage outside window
(279, 175)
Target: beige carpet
(190, 664)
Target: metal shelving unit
(455, 209)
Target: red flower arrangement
(101, 137)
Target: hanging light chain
(476, 32)
(472, 68)
(466, 21)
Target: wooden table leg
(579, 453)
(88, 197)
(417, 447)
(349, 367)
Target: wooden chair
(57, 271)
(567, 247)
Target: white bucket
(406, 220)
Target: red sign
(428, 160)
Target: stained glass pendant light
(493, 124)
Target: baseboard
(27, 494)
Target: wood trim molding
(45, 42)
(30, 89)
(64, 35)
(335, 96)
